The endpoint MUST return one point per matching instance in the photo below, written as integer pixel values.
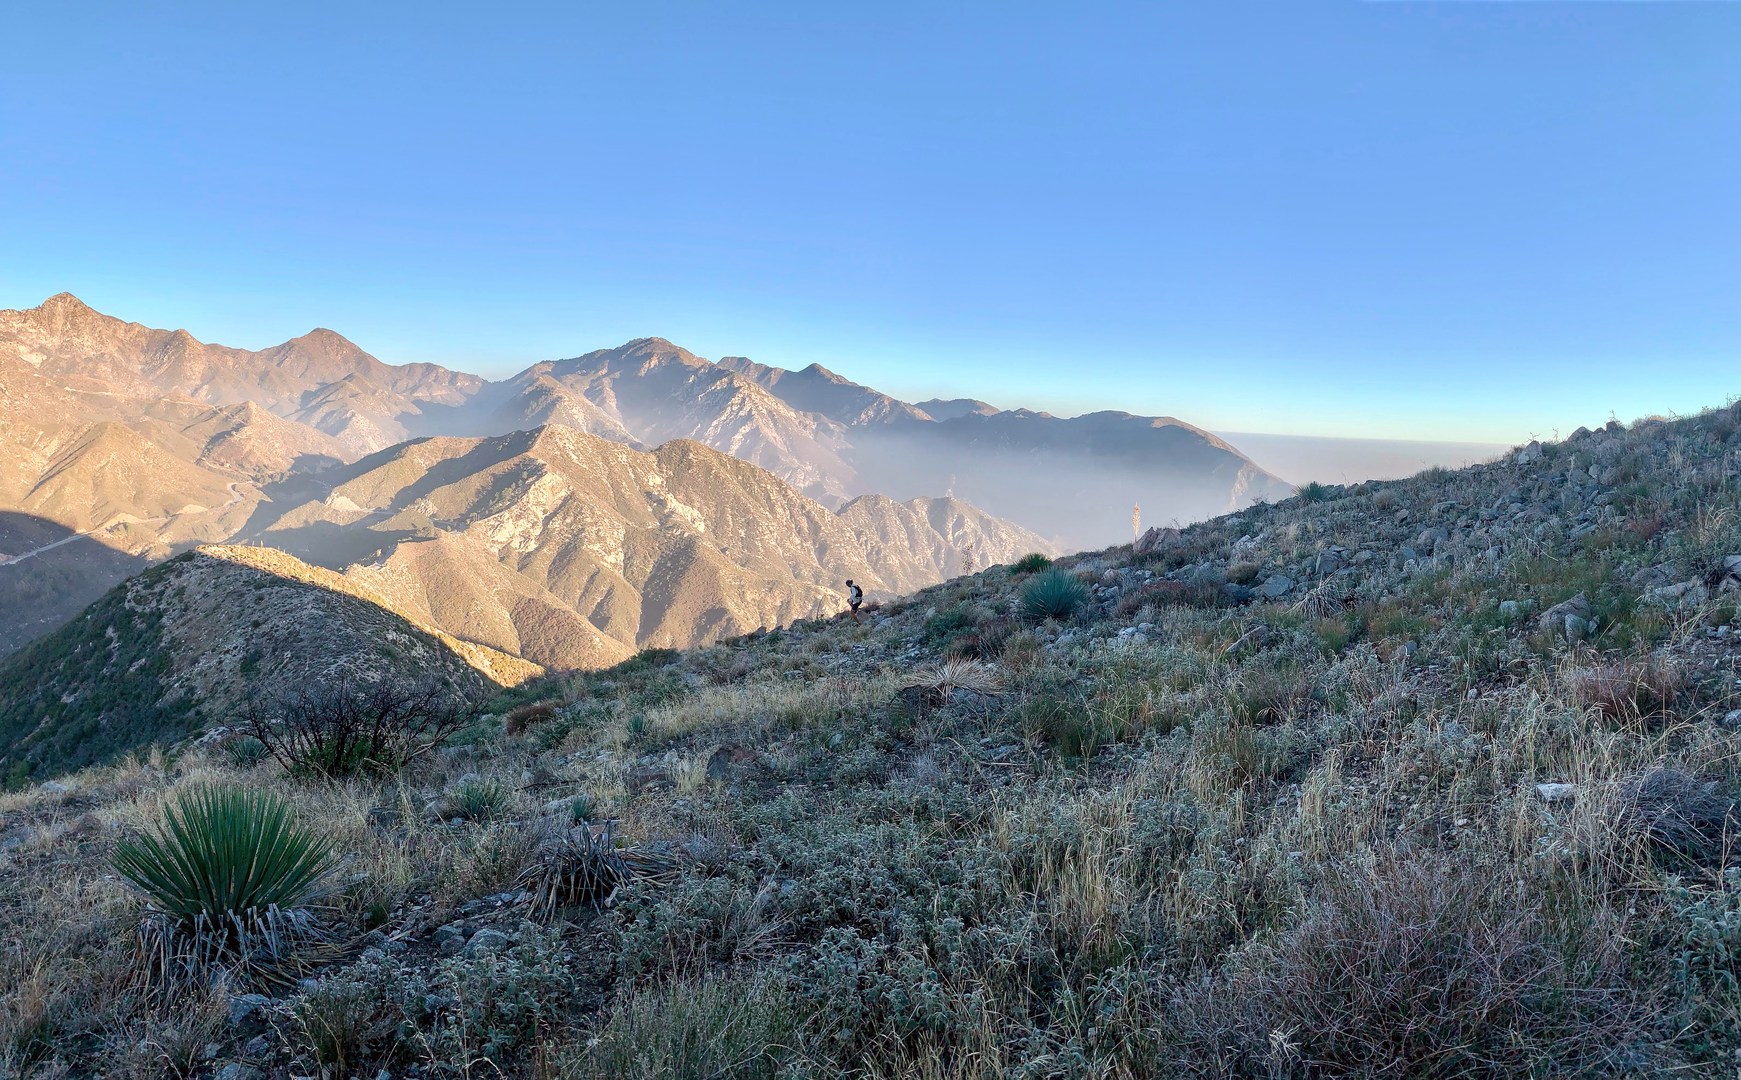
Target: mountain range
(569, 515)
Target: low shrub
(1053, 595)
(735, 1029)
(1170, 594)
(1244, 571)
(1412, 966)
(1627, 689)
(341, 731)
(524, 716)
(984, 641)
(1270, 693)
(1031, 564)
(936, 682)
(1707, 968)
(583, 866)
(485, 1005)
(1681, 821)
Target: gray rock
(638, 780)
(249, 1010)
(488, 941)
(1153, 538)
(1530, 454)
(259, 1048)
(1509, 608)
(1206, 574)
(1732, 718)
(731, 763)
(236, 1070)
(1554, 793)
(1430, 539)
(1651, 577)
(1277, 585)
(52, 787)
(1568, 618)
(1680, 594)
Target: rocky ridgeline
(1540, 501)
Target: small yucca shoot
(1053, 595)
(223, 878)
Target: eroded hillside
(574, 551)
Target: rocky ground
(1434, 777)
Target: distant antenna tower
(1136, 521)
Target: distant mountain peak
(64, 301)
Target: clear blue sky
(1436, 220)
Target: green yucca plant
(478, 800)
(1031, 563)
(1053, 595)
(1313, 492)
(227, 879)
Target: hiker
(854, 597)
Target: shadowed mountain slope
(187, 644)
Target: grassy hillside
(189, 644)
(1425, 778)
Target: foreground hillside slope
(1434, 777)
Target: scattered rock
(731, 763)
(248, 1011)
(1430, 539)
(1679, 595)
(449, 939)
(1570, 619)
(1277, 585)
(1554, 793)
(488, 941)
(1152, 538)
(647, 777)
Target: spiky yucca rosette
(227, 880)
